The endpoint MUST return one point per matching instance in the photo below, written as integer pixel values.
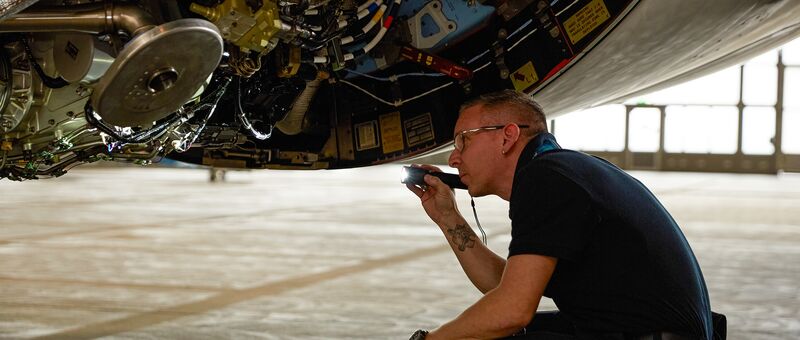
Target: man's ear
(511, 134)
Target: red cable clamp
(436, 63)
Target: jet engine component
(16, 86)
(251, 30)
(77, 58)
(89, 18)
(158, 72)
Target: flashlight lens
(403, 175)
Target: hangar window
(645, 129)
(701, 129)
(761, 80)
(720, 88)
(791, 131)
(702, 116)
(791, 114)
(758, 130)
(767, 59)
(791, 53)
(791, 88)
(597, 129)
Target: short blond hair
(509, 106)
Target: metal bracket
(434, 11)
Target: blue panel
(467, 18)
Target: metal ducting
(90, 18)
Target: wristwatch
(418, 335)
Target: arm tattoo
(463, 236)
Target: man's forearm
(483, 267)
(491, 317)
(507, 308)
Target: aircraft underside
(324, 84)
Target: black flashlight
(416, 176)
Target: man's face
(477, 158)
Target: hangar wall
(745, 119)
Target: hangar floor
(133, 253)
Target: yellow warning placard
(391, 132)
(586, 20)
(524, 77)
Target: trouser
(554, 326)
(546, 326)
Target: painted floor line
(231, 297)
(109, 284)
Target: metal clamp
(434, 11)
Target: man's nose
(455, 159)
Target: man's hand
(483, 267)
(437, 198)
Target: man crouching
(583, 232)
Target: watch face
(419, 335)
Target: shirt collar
(540, 144)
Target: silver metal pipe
(90, 18)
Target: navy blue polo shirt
(623, 263)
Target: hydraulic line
(371, 7)
(368, 27)
(387, 23)
(365, 5)
(141, 137)
(146, 135)
(186, 142)
(243, 116)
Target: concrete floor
(154, 253)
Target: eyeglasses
(458, 141)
